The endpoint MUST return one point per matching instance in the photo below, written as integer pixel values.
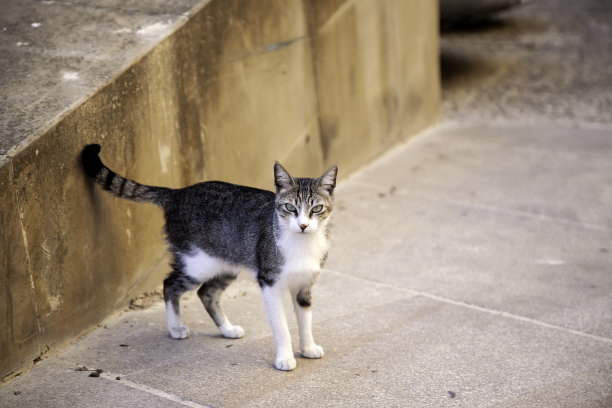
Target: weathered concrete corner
(377, 73)
(234, 87)
(19, 334)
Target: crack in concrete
(337, 15)
(267, 48)
(28, 261)
(150, 390)
(482, 309)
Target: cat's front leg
(272, 297)
(302, 304)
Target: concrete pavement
(471, 267)
(546, 61)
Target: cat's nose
(303, 226)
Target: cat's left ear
(328, 180)
(282, 179)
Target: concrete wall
(239, 85)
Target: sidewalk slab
(541, 62)
(552, 171)
(429, 299)
(492, 217)
(411, 351)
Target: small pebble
(452, 394)
(16, 392)
(94, 374)
(117, 378)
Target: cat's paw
(286, 363)
(232, 332)
(179, 332)
(313, 351)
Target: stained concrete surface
(545, 61)
(431, 297)
(470, 267)
(55, 54)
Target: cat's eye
(317, 209)
(290, 208)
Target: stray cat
(215, 229)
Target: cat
(215, 229)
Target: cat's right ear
(282, 179)
(328, 180)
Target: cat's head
(304, 204)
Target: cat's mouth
(304, 231)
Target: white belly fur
(302, 254)
(202, 267)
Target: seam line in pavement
(481, 309)
(494, 208)
(150, 390)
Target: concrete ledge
(221, 90)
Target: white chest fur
(303, 254)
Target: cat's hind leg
(210, 295)
(174, 286)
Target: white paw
(286, 364)
(233, 332)
(179, 332)
(313, 351)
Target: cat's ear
(328, 180)
(282, 179)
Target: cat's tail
(119, 185)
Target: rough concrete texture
(50, 63)
(437, 293)
(177, 94)
(366, 61)
(521, 212)
(19, 337)
(546, 61)
(471, 267)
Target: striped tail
(119, 185)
